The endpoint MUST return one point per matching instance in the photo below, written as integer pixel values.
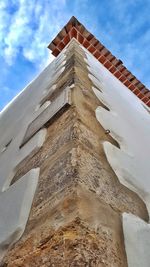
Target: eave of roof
(74, 29)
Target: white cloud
(29, 29)
(4, 21)
(19, 30)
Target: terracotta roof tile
(74, 29)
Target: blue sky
(27, 27)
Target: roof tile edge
(75, 29)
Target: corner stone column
(76, 217)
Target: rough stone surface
(76, 217)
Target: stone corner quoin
(74, 174)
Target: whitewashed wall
(128, 121)
(16, 200)
(129, 124)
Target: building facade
(74, 162)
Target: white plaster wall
(16, 200)
(137, 240)
(19, 114)
(128, 121)
(129, 124)
(15, 205)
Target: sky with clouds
(28, 26)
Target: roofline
(75, 29)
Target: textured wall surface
(76, 216)
(127, 120)
(18, 140)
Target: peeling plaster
(15, 204)
(16, 200)
(128, 122)
(137, 240)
